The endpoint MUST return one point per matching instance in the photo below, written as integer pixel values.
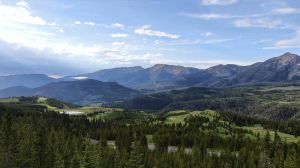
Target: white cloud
(118, 44)
(285, 11)
(218, 2)
(18, 14)
(41, 40)
(208, 34)
(119, 35)
(77, 22)
(145, 30)
(21, 29)
(90, 23)
(259, 23)
(52, 24)
(215, 16)
(39, 33)
(216, 41)
(262, 41)
(193, 42)
(22, 3)
(208, 16)
(80, 77)
(117, 25)
(47, 45)
(293, 42)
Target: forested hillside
(34, 138)
(278, 102)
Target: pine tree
(59, 162)
(25, 146)
(137, 154)
(290, 162)
(7, 142)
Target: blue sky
(60, 37)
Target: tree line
(51, 140)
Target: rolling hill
(277, 102)
(77, 92)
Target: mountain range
(285, 68)
(157, 76)
(121, 83)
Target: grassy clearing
(262, 132)
(149, 138)
(283, 88)
(9, 100)
(109, 115)
(98, 112)
(176, 117)
(93, 109)
(42, 100)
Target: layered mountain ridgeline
(25, 80)
(285, 68)
(78, 92)
(279, 102)
(158, 76)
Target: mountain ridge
(283, 68)
(78, 92)
(26, 80)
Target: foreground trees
(47, 140)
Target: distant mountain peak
(169, 67)
(223, 66)
(226, 70)
(163, 65)
(287, 58)
(288, 55)
(134, 68)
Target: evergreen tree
(290, 162)
(8, 144)
(137, 154)
(59, 162)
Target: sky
(64, 37)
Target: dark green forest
(273, 102)
(32, 137)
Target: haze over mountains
(285, 68)
(121, 83)
(77, 92)
(26, 80)
(157, 76)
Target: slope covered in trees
(34, 138)
(277, 102)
